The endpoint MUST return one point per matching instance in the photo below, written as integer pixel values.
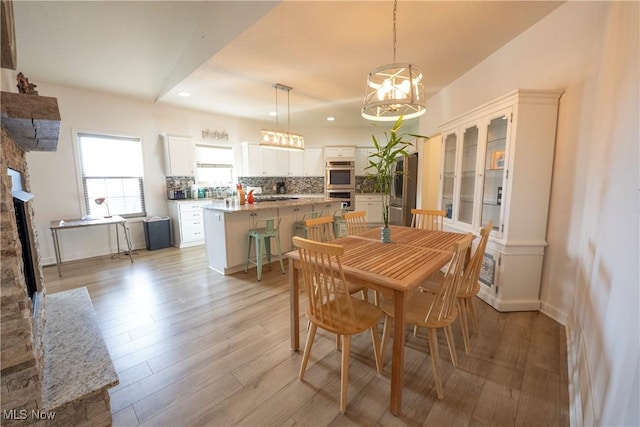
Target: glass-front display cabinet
(496, 166)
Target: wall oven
(340, 175)
(347, 197)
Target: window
(214, 165)
(111, 167)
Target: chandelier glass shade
(278, 139)
(394, 90)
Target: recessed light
(185, 94)
(331, 119)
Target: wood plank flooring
(195, 348)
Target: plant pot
(385, 235)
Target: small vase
(385, 235)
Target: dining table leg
(397, 360)
(294, 307)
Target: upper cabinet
(179, 156)
(340, 152)
(362, 159)
(496, 166)
(261, 161)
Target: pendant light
(394, 90)
(283, 140)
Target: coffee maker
(280, 188)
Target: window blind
(111, 167)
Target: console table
(66, 224)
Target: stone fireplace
(40, 349)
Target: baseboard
(554, 313)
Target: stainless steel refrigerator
(403, 190)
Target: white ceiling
(228, 54)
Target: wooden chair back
(356, 222)
(443, 304)
(320, 229)
(427, 219)
(329, 303)
(471, 276)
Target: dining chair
(356, 222)
(434, 311)
(469, 287)
(427, 219)
(320, 229)
(332, 308)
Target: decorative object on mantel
(24, 86)
(394, 90)
(277, 139)
(381, 169)
(219, 135)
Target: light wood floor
(193, 347)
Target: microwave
(340, 175)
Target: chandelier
(394, 90)
(284, 140)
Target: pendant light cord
(395, 6)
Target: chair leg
(376, 347)
(246, 268)
(280, 254)
(259, 249)
(344, 375)
(385, 337)
(415, 330)
(267, 248)
(435, 362)
(474, 318)
(448, 333)
(464, 323)
(307, 350)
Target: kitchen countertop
(220, 205)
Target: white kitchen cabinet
(261, 161)
(313, 162)
(296, 163)
(179, 156)
(340, 152)
(362, 160)
(372, 205)
(187, 222)
(496, 166)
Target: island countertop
(220, 205)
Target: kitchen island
(226, 227)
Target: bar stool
(299, 229)
(262, 232)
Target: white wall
(590, 275)
(54, 174)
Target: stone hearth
(35, 385)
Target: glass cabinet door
(448, 173)
(468, 175)
(495, 158)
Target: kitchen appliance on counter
(403, 190)
(177, 194)
(280, 187)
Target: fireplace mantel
(32, 121)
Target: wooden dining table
(394, 268)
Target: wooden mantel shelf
(32, 121)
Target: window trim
(76, 133)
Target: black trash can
(157, 232)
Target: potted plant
(381, 169)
